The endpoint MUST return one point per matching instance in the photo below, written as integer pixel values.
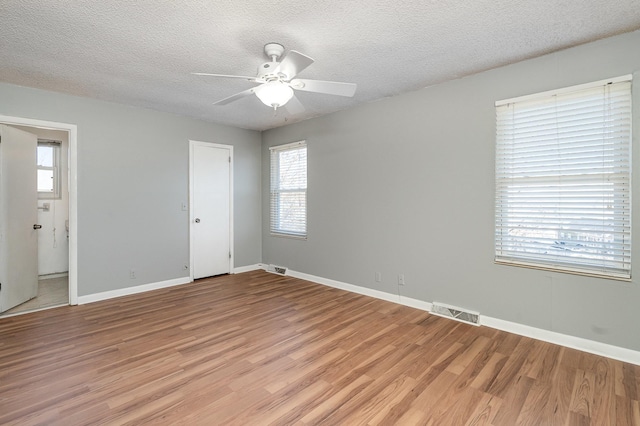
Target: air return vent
(455, 313)
(275, 269)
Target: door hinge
(229, 159)
(229, 255)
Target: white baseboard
(51, 276)
(248, 268)
(96, 297)
(585, 345)
(415, 303)
(344, 286)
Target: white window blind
(289, 190)
(563, 177)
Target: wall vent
(455, 313)
(275, 269)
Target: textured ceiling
(142, 53)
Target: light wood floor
(258, 349)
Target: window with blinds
(289, 190)
(563, 180)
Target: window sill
(563, 270)
(290, 236)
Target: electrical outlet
(401, 279)
(132, 274)
(378, 277)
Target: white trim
(290, 236)
(415, 303)
(628, 77)
(72, 130)
(564, 270)
(344, 286)
(105, 295)
(585, 345)
(193, 143)
(52, 276)
(248, 268)
(287, 145)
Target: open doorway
(52, 178)
(56, 213)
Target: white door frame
(193, 143)
(72, 130)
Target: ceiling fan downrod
(273, 51)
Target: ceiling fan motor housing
(267, 71)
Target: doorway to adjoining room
(50, 253)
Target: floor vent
(455, 313)
(275, 269)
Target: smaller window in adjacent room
(563, 180)
(289, 190)
(48, 165)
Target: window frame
(603, 261)
(55, 194)
(275, 191)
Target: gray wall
(406, 185)
(132, 179)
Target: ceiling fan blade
(328, 87)
(294, 106)
(243, 77)
(235, 97)
(293, 63)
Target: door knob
(37, 226)
(197, 220)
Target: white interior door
(18, 216)
(210, 209)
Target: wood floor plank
(485, 411)
(379, 407)
(513, 401)
(458, 412)
(510, 371)
(257, 349)
(583, 393)
(603, 392)
(336, 398)
(485, 377)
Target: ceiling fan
(277, 83)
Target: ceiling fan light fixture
(274, 93)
